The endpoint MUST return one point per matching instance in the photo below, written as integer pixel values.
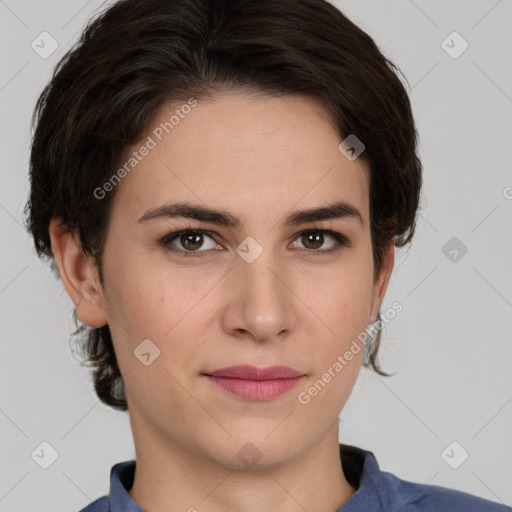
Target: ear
(381, 282)
(78, 273)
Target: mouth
(253, 383)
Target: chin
(255, 452)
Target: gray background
(451, 344)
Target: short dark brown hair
(137, 55)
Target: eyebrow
(337, 210)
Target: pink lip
(249, 372)
(256, 383)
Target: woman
(222, 186)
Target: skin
(259, 158)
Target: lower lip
(255, 389)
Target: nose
(260, 303)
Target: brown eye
(314, 239)
(188, 241)
(191, 241)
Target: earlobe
(382, 281)
(78, 273)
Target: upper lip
(249, 372)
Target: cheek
(167, 307)
(340, 349)
(342, 300)
(145, 305)
(138, 304)
(146, 299)
(342, 303)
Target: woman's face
(259, 293)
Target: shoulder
(99, 505)
(379, 490)
(433, 498)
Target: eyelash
(165, 242)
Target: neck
(170, 478)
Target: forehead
(241, 152)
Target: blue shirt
(377, 491)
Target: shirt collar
(121, 481)
(362, 471)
